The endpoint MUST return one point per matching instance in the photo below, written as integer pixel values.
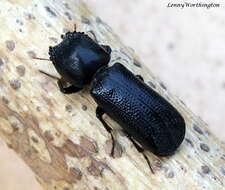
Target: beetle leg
(141, 150)
(67, 90)
(99, 114)
(49, 75)
(140, 77)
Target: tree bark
(59, 137)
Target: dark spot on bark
(170, 46)
(96, 168)
(48, 25)
(34, 139)
(183, 168)
(68, 108)
(50, 11)
(205, 169)
(15, 84)
(199, 172)
(197, 129)
(89, 144)
(223, 85)
(91, 123)
(136, 63)
(76, 173)
(5, 100)
(31, 152)
(31, 54)
(15, 126)
(170, 174)
(162, 85)
(68, 15)
(55, 40)
(30, 16)
(21, 70)
(10, 45)
(85, 20)
(19, 22)
(98, 20)
(151, 84)
(67, 5)
(48, 101)
(74, 150)
(84, 107)
(93, 170)
(38, 108)
(20, 30)
(204, 147)
(1, 62)
(10, 146)
(222, 171)
(189, 142)
(66, 188)
(118, 149)
(48, 136)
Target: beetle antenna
(39, 58)
(49, 75)
(43, 72)
(75, 27)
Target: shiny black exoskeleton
(144, 115)
(77, 58)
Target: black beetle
(144, 115)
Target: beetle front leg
(141, 150)
(67, 90)
(99, 114)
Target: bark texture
(58, 135)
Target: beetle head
(78, 57)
